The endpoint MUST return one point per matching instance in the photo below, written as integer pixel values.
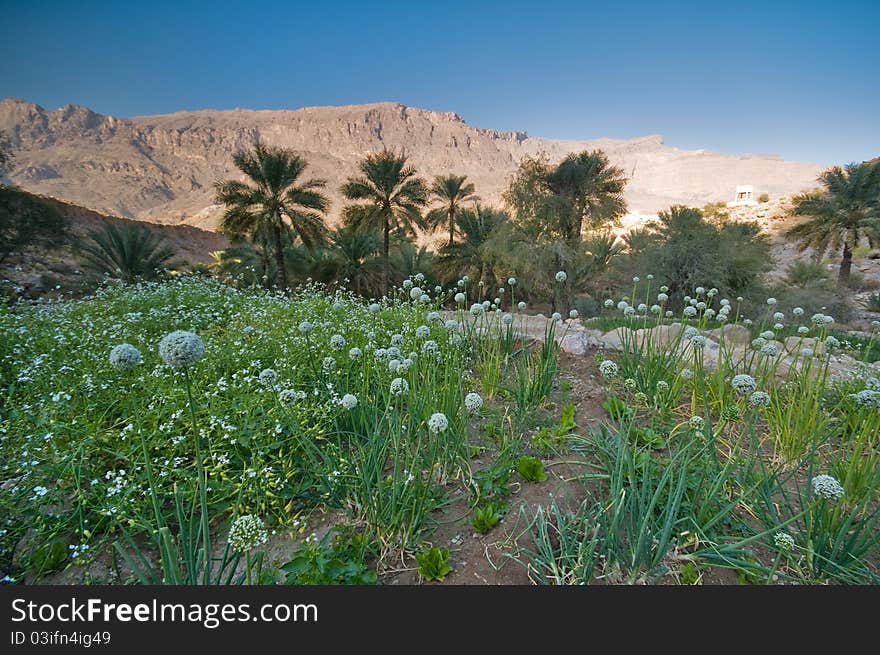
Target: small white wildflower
(696, 422)
(349, 401)
(783, 541)
(355, 354)
(305, 327)
(511, 281)
(521, 305)
(573, 314)
(423, 332)
(759, 399)
(337, 342)
(561, 276)
(771, 301)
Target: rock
(738, 334)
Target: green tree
(355, 256)
(389, 198)
(844, 214)
(690, 251)
(583, 191)
(452, 191)
(128, 251)
(274, 201)
(27, 221)
(473, 255)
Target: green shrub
(531, 469)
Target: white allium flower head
(759, 399)
(125, 357)
(268, 377)
(501, 290)
(743, 384)
(556, 316)
(662, 297)
(477, 309)
(664, 289)
(329, 363)
(511, 281)
(424, 299)
(783, 541)
(394, 365)
(473, 402)
(561, 276)
(507, 318)
(399, 387)
(521, 305)
(608, 368)
(451, 325)
(355, 354)
(701, 305)
(337, 342)
(650, 276)
(698, 341)
(573, 314)
(622, 305)
(629, 311)
(407, 284)
(668, 313)
(375, 308)
(699, 291)
(349, 401)
(770, 350)
(636, 280)
(642, 308)
(778, 316)
(438, 423)
(415, 293)
(609, 302)
(305, 327)
(434, 317)
(827, 487)
(767, 334)
(771, 301)
(690, 312)
(423, 332)
(420, 277)
(246, 533)
(807, 352)
(868, 398)
(288, 397)
(831, 343)
(181, 349)
(778, 326)
(686, 374)
(460, 298)
(696, 422)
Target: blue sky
(798, 79)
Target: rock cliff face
(162, 168)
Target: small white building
(745, 196)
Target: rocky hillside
(162, 168)
(37, 271)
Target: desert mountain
(162, 168)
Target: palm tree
(473, 254)
(591, 190)
(452, 192)
(842, 215)
(274, 201)
(391, 198)
(130, 252)
(355, 256)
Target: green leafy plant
(47, 558)
(531, 469)
(434, 564)
(334, 560)
(487, 517)
(617, 408)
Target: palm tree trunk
(386, 272)
(451, 228)
(279, 259)
(264, 260)
(845, 267)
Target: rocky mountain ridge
(162, 168)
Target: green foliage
(434, 564)
(843, 215)
(28, 221)
(451, 191)
(617, 408)
(872, 303)
(129, 252)
(690, 250)
(336, 559)
(272, 202)
(487, 517)
(806, 273)
(7, 156)
(531, 469)
(388, 198)
(688, 574)
(47, 558)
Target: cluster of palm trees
(278, 209)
